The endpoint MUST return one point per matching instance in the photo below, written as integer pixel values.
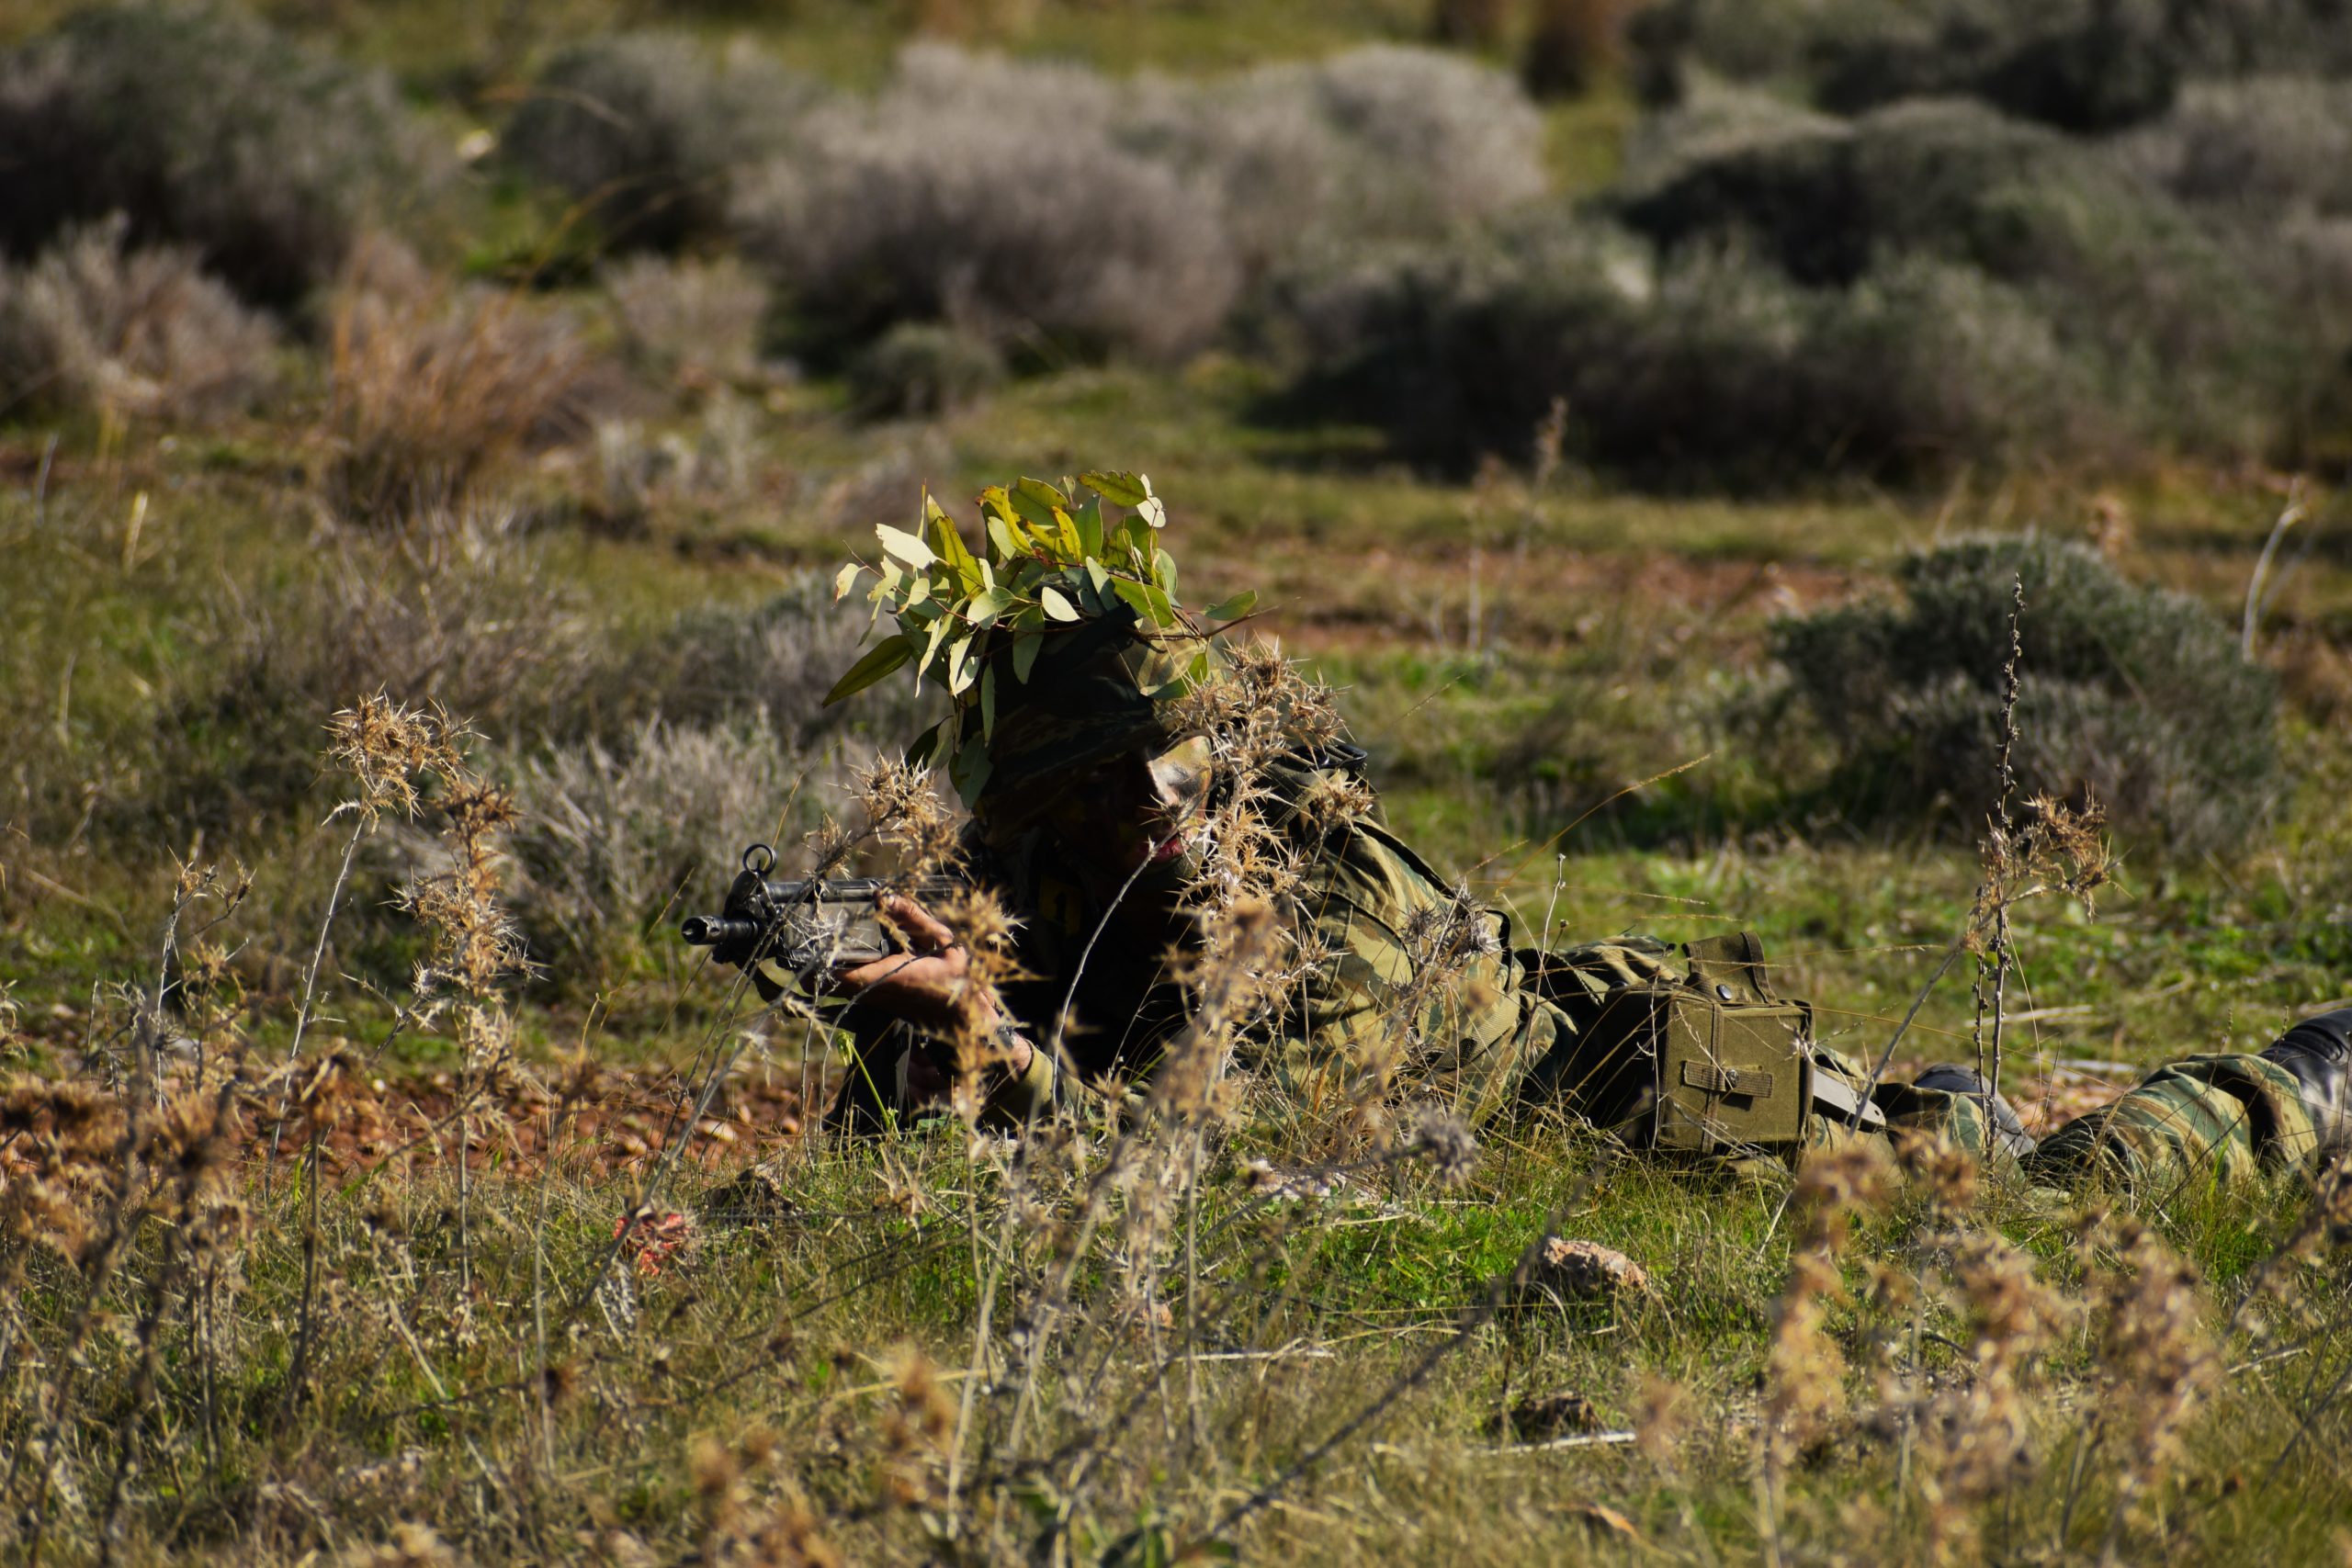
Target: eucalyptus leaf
(905, 545)
(845, 580)
(1055, 605)
(1120, 489)
(1088, 521)
(880, 660)
(1240, 605)
(923, 746)
(1024, 654)
(988, 702)
(1006, 539)
(987, 604)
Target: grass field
(329, 1232)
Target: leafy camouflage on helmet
(1050, 568)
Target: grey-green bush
(2137, 694)
(1014, 216)
(650, 129)
(1716, 370)
(2092, 65)
(920, 369)
(93, 325)
(205, 129)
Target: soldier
(1088, 822)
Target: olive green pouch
(1715, 1061)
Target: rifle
(808, 926)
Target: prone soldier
(1094, 782)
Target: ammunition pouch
(1708, 1061)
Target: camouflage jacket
(1408, 982)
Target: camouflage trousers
(2202, 1121)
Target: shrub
(713, 462)
(1018, 221)
(2086, 65)
(93, 325)
(649, 128)
(611, 836)
(2184, 342)
(1718, 370)
(208, 130)
(2137, 694)
(1437, 140)
(453, 610)
(688, 320)
(429, 391)
(917, 370)
(1375, 143)
(2257, 148)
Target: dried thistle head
(907, 813)
(389, 749)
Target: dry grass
(431, 387)
(96, 326)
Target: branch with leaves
(1049, 562)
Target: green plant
(1047, 559)
(2136, 696)
(647, 130)
(209, 130)
(920, 369)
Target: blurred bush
(688, 320)
(94, 325)
(2135, 694)
(921, 370)
(649, 129)
(205, 129)
(975, 193)
(1930, 286)
(431, 386)
(2086, 65)
(1715, 371)
(612, 836)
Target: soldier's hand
(931, 985)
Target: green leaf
(1153, 512)
(950, 545)
(1163, 572)
(987, 604)
(923, 746)
(988, 702)
(961, 670)
(1120, 489)
(1148, 600)
(1024, 654)
(1232, 609)
(1009, 544)
(1096, 575)
(844, 581)
(904, 545)
(1055, 605)
(939, 630)
(880, 660)
(1034, 501)
(1089, 520)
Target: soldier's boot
(2317, 1054)
(1953, 1079)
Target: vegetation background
(1644, 415)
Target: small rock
(1586, 1271)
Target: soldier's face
(1140, 808)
